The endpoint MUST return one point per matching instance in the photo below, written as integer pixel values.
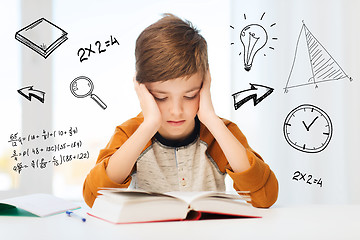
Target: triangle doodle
(320, 65)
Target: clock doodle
(307, 128)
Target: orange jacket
(259, 180)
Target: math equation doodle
(58, 150)
(35, 37)
(307, 178)
(99, 48)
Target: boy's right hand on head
(149, 107)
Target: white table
(295, 222)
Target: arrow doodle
(29, 92)
(252, 93)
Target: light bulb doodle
(253, 37)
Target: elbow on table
(267, 196)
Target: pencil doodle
(35, 37)
(29, 92)
(319, 64)
(253, 37)
(308, 128)
(256, 90)
(82, 87)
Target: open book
(35, 205)
(135, 206)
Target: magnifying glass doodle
(82, 87)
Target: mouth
(176, 123)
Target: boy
(177, 142)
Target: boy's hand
(149, 107)
(206, 111)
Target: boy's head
(171, 60)
(168, 49)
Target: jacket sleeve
(259, 179)
(97, 177)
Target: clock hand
(306, 126)
(312, 122)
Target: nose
(176, 107)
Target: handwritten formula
(15, 139)
(59, 156)
(307, 178)
(100, 47)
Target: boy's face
(178, 101)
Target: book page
(41, 204)
(188, 196)
(123, 195)
(192, 196)
(230, 203)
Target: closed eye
(191, 97)
(160, 99)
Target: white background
(334, 23)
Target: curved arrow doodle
(252, 93)
(29, 92)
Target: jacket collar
(176, 143)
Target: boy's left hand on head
(206, 110)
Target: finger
(140, 88)
(136, 86)
(208, 76)
(207, 81)
(143, 92)
(134, 80)
(136, 83)
(143, 88)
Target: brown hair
(170, 48)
